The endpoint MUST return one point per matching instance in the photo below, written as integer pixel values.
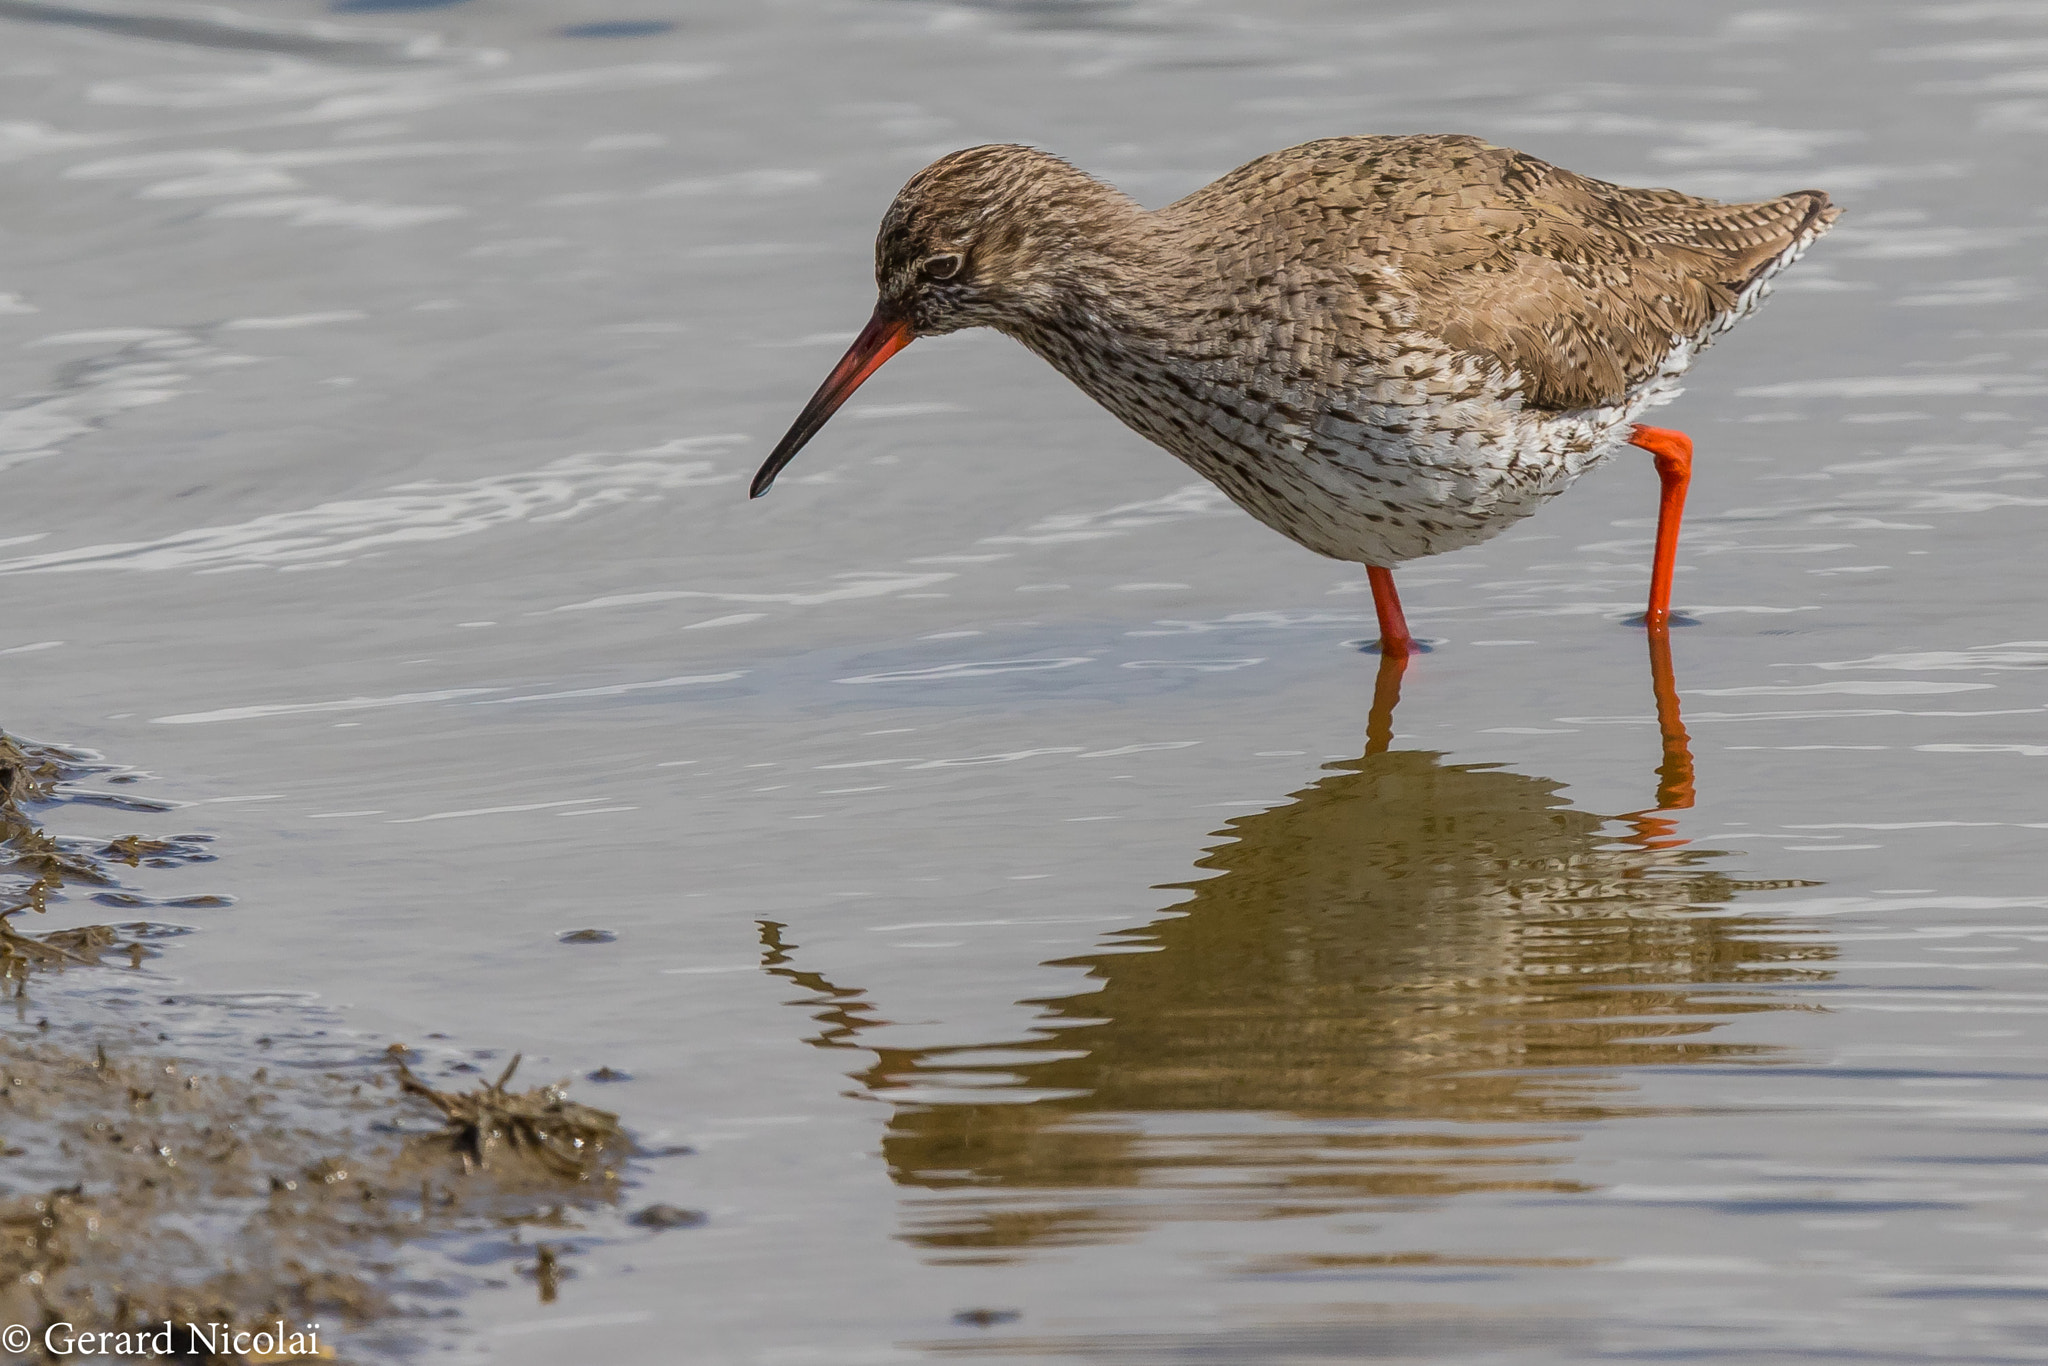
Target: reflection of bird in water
(1381, 347)
(1406, 941)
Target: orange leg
(1394, 637)
(1673, 452)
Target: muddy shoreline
(271, 1206)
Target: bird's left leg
(1673, 452)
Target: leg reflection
(1674, 773)
(1674, 770)
(1386, 695)
(843, 1012)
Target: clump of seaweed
(541, 1129)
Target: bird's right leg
(1673, 452)
(1394, 637)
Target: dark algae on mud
(36, 866)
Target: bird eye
(943, 266)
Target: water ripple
(1192, 500)
(846, 587)
(969, 669)
(335, 533)
(2012, 654)
(152, 366)
(225, 30)
(202, 718)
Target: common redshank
(1381, 347)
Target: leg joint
(1664, 443)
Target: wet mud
(143, 1186)
(147, 1189)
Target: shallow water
(1006, 904)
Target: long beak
(882, 338)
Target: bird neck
(1103, 274)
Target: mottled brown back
(1578, 286)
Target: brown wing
(1581, 286)
(1577, 285)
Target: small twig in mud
(566, 1140)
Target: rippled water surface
(1009, 903)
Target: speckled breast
(1389, 467)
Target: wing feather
(1578, 287)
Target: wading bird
(1381, 347)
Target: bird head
(986, 237)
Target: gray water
(1006, 906)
